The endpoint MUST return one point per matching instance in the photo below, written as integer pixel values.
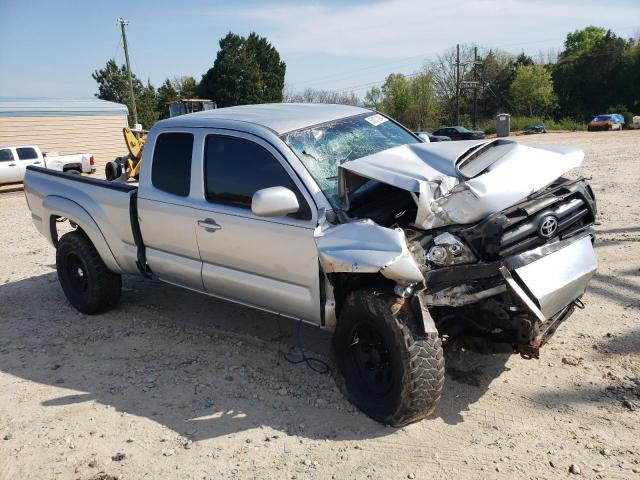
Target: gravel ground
(172, 384)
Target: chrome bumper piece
(549, 278)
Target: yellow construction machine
(125, 168)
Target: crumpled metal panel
(366, 247)
(557, 279)
(445, 196)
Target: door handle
(209, 224)
(12, 165)
(37, 163)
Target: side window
(171, 169)
(27, 153)
(236, 168)
(6, 155)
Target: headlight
(449, 250)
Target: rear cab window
(27, 153)
(236, 168)
(171, 168)
(6, 155)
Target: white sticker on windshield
(376, 119)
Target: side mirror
(274, 202)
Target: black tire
(86, 281)
(112, 171)
(387, 367)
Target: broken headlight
(449, 250)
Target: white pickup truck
(15, 160)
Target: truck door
(167, 219)
(28, 156)
(270, 263)
(9, 167)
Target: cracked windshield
(324, 147)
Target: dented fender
(365, 247)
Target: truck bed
(105, 211)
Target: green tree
(396, 96)
(589, 80)
(581, 41)
(246, 70)
(113, 85)
(147, 104)
(423, 108)
(272, 69)
(186, 86)
(496, 74)
(373, 98)
(532, 90)
(166, 93)
(174, 89)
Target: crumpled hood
(461, 182)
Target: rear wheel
(388, 368)
(86, 281)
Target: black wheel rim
(77, 274)
(371, 359)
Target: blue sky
(50, 48)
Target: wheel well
(55, 221)
(345, 283)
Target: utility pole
(457, 83)
(475, 90)
(122, 23)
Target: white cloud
(402, 28)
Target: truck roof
(278, 117)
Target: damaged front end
(487, 238)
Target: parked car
(460, 133)
(432, 138)
(338, 216)
(15, 160)
(533, 129)
(606, 122)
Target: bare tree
(443, 72)
(310, 95)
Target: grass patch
(521, 123)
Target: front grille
(569, 205)
(567, 215)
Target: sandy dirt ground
(172, 384)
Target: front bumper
(551, 277)
(516, 303)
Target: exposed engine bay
(489, 238)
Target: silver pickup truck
(340, 217)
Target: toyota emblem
(548, 227)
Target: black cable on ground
(315, 364)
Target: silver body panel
(558, 278)
(365, 247)
(277, 117)
(227, 251)
(101, 212)
(513, 172)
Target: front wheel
(86, 281)
(387, 367)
